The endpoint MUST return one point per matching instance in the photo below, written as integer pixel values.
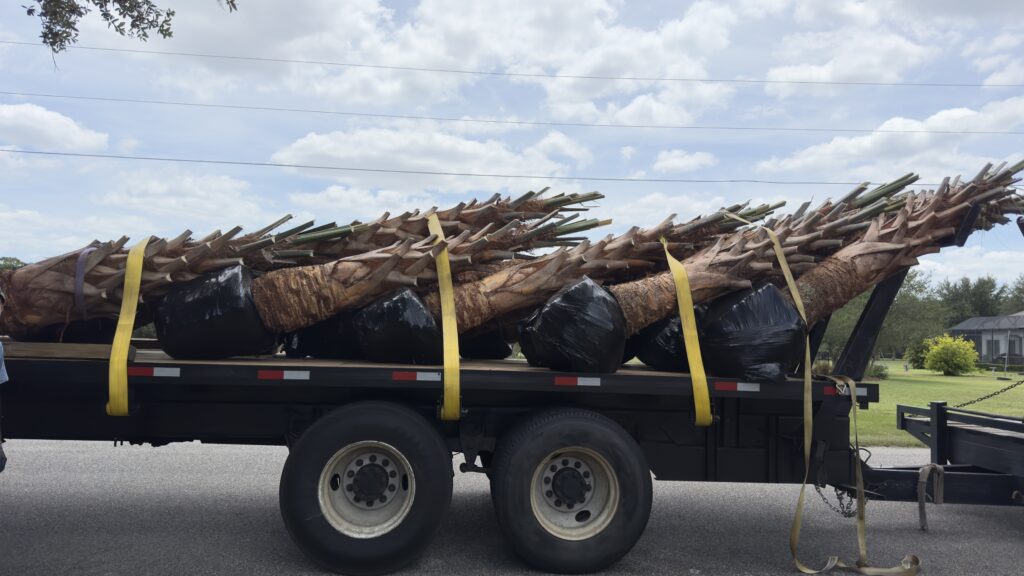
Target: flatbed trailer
(976, 458)
(635, 421)
(570, 456)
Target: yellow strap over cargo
(451, 405)
(701, 396)
(910, 564)
(117, 403)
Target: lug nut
(386, 462)
(349, 487)
(359, 462)
(549, 493)
(554, 468)
(392, 474)
(547, 480)
(558, 502)
(576, 465)
(586, 474)
(350, 474)
(391, 488)
(565, 461)
(383, 498)
(373, 457)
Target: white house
(993, 335)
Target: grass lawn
(919, 387)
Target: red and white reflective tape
(282, 375)
(154, 371)
(831, 391)
(576, 381)
(401, 376)
(737, 387)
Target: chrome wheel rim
(366, 489)
(574, 493)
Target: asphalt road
(86, 508)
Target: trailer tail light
(737, 387)
(154, 371)
(282, 375)
(410, 376)
(576, 381)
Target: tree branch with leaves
(130, 18)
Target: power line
(530, 74)
(427, 172)
(497, 121)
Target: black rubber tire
(407, 432)
(523, 448)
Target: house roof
(1012, 322)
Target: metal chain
(992, 395)
(846, 505)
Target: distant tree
(965, 299)
(840, 325)
(10, 263)
(951, 356)
(130, 18)
(1013, 301)
(916, 314)
(917, 352)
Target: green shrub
(916, 353)
(951, 356)
(878, 371)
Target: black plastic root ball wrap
(580, 329)
(661, 346)
(333, 338)
(489, 345)
(212, 316)
(400, 329)
(91, 331)
(752, 334)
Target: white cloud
(683, 161)
(564, 37)
(998, 57)
(973, 262)
(186, 199)
(32, 126)
(883, 154)
(343, 204)
(432, 151)
(31, 235)
(627, 152)
(849, 54)
(652, 208)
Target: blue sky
(53, 205)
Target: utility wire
(529, 74)
(497, 121)
(428, 172)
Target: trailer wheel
(571, 491)
(365, 488)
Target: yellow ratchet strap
(451, 405)
(117, 404)
(910, 564)
(701, 397)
